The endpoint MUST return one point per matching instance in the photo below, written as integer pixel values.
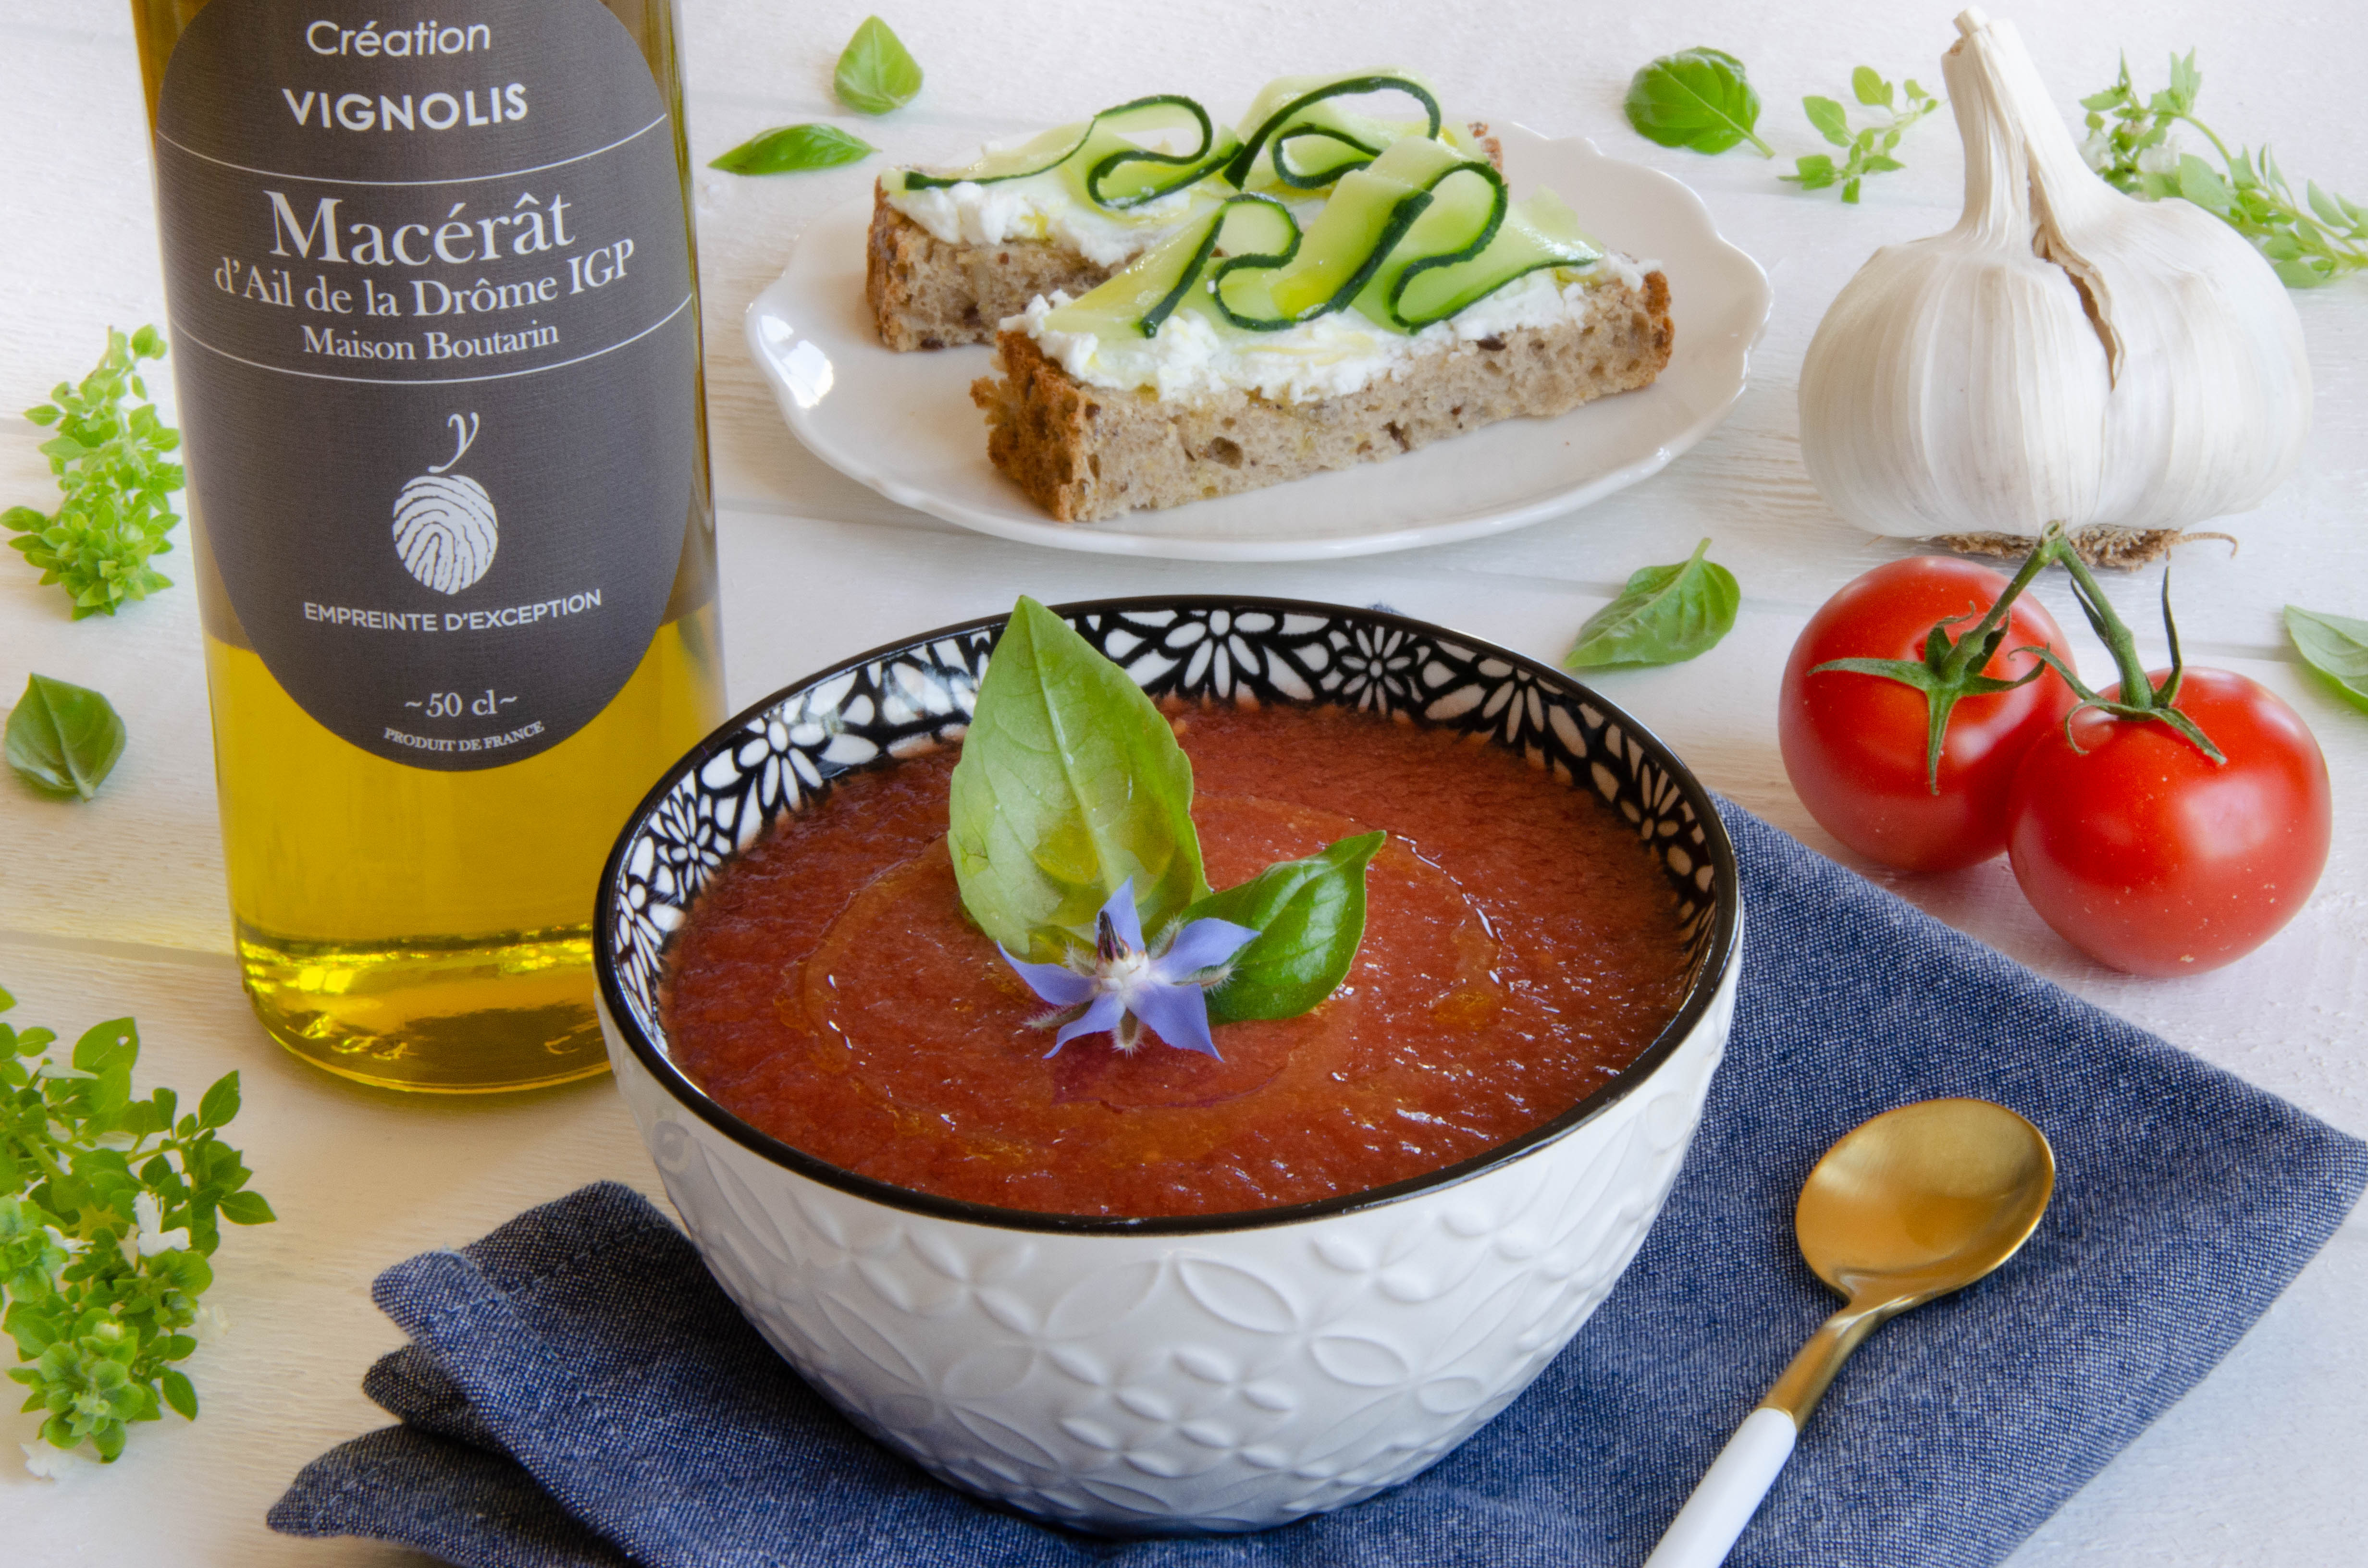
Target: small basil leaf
(1697, 99)
(63, 739)
(1070, 783)
(1868, 88)
(2334, 645)
(876, 73)
(1666, 615)
(793, 148)
(1309, 915)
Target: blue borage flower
(1120, 986)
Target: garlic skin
(2065, 354)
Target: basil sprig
(1698, 99)
(1071, 785)
(63, 739)
(1664, 616)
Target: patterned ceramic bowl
(1214, 1372)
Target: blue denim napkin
(578, 1391)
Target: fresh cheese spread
(1045, 207)
(1333, 355)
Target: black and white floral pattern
(917, 696)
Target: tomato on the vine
(2147, 855)
(1856, 744)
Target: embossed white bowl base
(1216, 1380)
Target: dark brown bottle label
(431, 302)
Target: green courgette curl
(1233, 229)
(1276, 133)
(1127, 176)
(1402, 219)
(1498, 200)
(1316, 172)
(1182, 168)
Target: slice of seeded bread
(1084, 452)
(927, 293)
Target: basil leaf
(63, 739)
(876, 73)
(1309, 915)
(793, 148)
(2334, 645)
(1697, 99)
(1070, 783)
(1664, 616)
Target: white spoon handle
(1728, 1493)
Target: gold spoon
(1914, 1204)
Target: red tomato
(2147, 855)
(1855, 744)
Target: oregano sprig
(110, 463)
(2311, 241)
(1866, 150)
(109, 1207)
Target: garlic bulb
(2065, 354)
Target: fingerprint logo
(445, 530)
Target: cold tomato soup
(1521, 946)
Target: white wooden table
(117, 907)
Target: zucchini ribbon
(1411, 239)
(1309, 139)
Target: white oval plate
(903, 424)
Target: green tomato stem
(1994, 620)
(2138, 699)
(2136, 690)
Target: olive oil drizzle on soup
(1520, 948)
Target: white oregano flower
(151, 1215)
(2162, 158)
(53, 1463)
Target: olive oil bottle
(435, 323)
